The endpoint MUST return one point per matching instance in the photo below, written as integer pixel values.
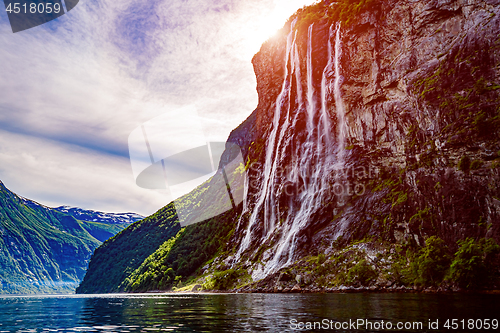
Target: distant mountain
(47, 250)
(99, 224)
(95, 216)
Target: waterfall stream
(339, 102)
(266, 193)
(313, 160)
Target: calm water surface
(237, 312)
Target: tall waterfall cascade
(313, 161)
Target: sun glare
(270, 22)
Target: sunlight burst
(268, 23)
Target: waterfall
(342, 129)
(266, 193)
(325, 117)
(310, 89)
(315, 170)
(312, 160)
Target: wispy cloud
(72, 90)
(60, 173)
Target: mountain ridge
(43, 249)
(98, 216)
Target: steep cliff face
(372, 159)
(385, 128)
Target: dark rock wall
(421, 88)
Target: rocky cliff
(383, 127)
(372, 158)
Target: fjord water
(233, 312)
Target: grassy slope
(181, 257)
(178, 259)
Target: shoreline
(399, 290)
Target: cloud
(63, 173)
(72, 90)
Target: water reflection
(231, 312)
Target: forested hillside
(44, 250)
(120, 255)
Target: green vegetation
(431, 262)
(154, 272)
(155, 254)
(465, 95)
(224, 280)
(347, 266)
(183, 255)
(476, 164)
(321, 259)
(464, 164)
(120, 255)
(473, 266)
(256, 150)
(401, 199)
(421, 216)
(361, 272)
(344, 11)
(102, 231)
(495, 164)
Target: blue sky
(72, 90)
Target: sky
(73, 90)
